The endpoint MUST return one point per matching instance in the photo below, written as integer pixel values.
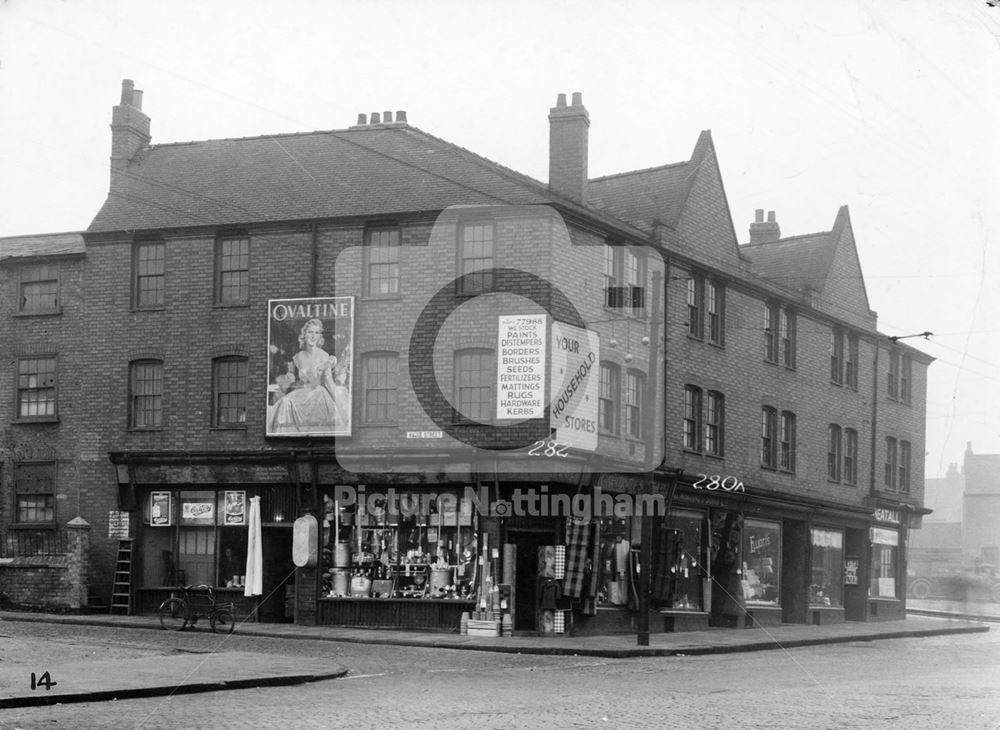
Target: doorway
(527, 543)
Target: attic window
(39, 289)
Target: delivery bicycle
(187, 604)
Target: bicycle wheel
(223, 622)
(173, 614)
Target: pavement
(167, 675)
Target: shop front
(885, 579)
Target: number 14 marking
(44, 681)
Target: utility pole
(649, 426)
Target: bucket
(361, 586)
(340, 583)
(440, 579)
(342, 555)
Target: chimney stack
(129, 128)
(762, 231)
(568, 140)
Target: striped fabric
(577, 548)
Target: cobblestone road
(941, 682)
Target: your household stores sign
(573, 383)
(521, 366)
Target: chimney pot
(401, 116)
(137, 99)
(362, 119)
(561, 100)
(761, 232)
(759, 215)
(568, 140)
(577, 98)
(770, 216)
(376, 119)
(386, 117)
(127, 85)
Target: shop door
(196, 555)
(526, 576)
(278, 571)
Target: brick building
(330, 320)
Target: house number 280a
(715, 482)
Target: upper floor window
(35, 493)
(715, 295)
(232, 266)
(903, 468)
(693, 423)
(39, 289)
(635, 282)
(834, 452)
(624, 280)
(475, 374)
(607, 398)
(36, 388)
(851, 361)
(786, 336)
(149, 274)
(635, 386)
(771, 332)
(892, 381)
(837, 357)
(696, 305)
(905, 378)
(381, 380)
(786, 441)
(146, 394)
(382, 262)
(891, 463)
(475, 258)
(769, 437)
(850, 456)
(715, 421)
(229, 377)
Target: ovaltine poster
(574, 385)
(310, 373)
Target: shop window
(635, 384)
(768, 437)
(616, 567)
(474, 378)
(885, 555)
(715, 423)
(146, 394)
(381, 375)
(475, 258)
(692, 418)
(850, 456)
(607, 398)
(36, 388)
(716, 305)
(229, 376)
(34, 493)
(834, 452)
(39, 289)
(149, 274)
(382, 262)
(786, 442)
(826, 587)
(761, 578)
(232, 266)
(678, 570)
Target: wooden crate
(483, 628)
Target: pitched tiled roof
(643, 197)
(798, 262)
(48, 244)
(355, 172)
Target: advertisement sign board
(573, 384)
(310, 366)
(521, 366)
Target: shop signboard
(573, 385)
(851, 571)
(310, 366)
(159, 509)
(117, 525)
(521, 366)
(236, 508)
(197, 511)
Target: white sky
(892, 108)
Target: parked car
(978, 584)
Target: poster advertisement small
(310, 366)
(118, 524)
(851, 571)
(236, 508)
(159, 509)
(197, 511)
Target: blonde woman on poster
(315, 396)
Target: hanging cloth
(254, 578)
(577, 547)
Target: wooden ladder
(121, 594)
